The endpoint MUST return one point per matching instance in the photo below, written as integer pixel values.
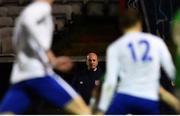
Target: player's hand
(99, 113)
(63, 64)
(173, 84)
(170, 99)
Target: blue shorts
(50, 88)
(126, 104)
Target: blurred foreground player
(136, 58)
(176, 37)
(32, 71)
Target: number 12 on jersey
(145, 56)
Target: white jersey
(32, 39)
(136, 59)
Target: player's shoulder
(129, 36)
(151, 36)
(119, 41)
(114, 43)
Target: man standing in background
(86, 80)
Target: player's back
(32, 38)
(139, 60)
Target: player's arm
(166, 61)
(35, 22)
(52, 58)
(41, 33)
(109, 85)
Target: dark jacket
(85, 81)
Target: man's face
(92, 61)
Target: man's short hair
(129, 19)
